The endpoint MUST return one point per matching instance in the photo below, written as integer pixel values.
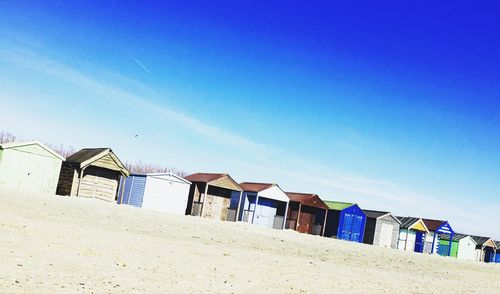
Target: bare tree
(140, 167)
(6, 137)
(62, 150)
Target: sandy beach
(53, 244)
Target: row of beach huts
(32, 167)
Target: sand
(54, 244)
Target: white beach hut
(263, 204)
(29, 167)
(164, 192)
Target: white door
(386, 235)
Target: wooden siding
(292, 215)
(67, 176)
(215, 204)
(215, 207)
(310, 220)
(99, 183)
(106, 162)
(226, 183)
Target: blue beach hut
(345, 221)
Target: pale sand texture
(52, 244)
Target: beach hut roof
(87, 156)
(456, 237)
(409, 222)
(337, 205)
(255, 187)
(307, 199)
(205, 177)
(432, 224)
(223, 180)
(480, 240)
(11, 145)
(376, 214)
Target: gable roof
(376, 214)
(432, 224)
(456, 237)
(13, 145)
(255, 187)
(414, 223)
(87, 156)
(407, 221)
(205, 177)
(307, 199)
(480, 240)
(213, 179)
(337, 205)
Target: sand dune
(52, 244)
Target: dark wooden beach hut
(93, 173)
(307, 213)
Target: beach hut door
(386, 235)
(347, 227)
(356, 228)
(419, 242)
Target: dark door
(419, 242)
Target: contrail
(140, 64)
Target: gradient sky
(393, 107)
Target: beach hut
(412, 234)
(345, 221)
(214, 196)
(164, 192)
(29, 167)
(485, 249)
(463, 246)
(92, 173)
(263, 204)
(307, 213)
(436, 228)
(382, 229)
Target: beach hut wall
(29, 167)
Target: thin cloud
(128, 99)
(139, 63)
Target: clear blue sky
(393, 107)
